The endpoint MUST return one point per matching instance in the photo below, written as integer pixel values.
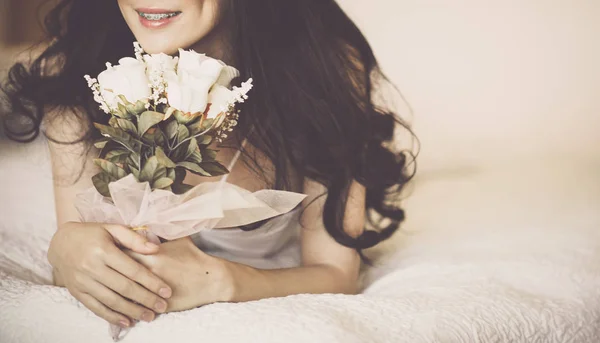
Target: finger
(117, 303)
(142, 259)
(129, 239)
(131, 290)
(125, 265)
(102, 311)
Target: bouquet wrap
(210, 205)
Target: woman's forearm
(250, 284)
(57, 279)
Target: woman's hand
(98, 273)
(196, 278)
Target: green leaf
(135, 172)
(163, 159)
(180, 175)
(121, 111)
(206, 124)
(191, 149)
(117, 156)
(194, 168)
(159, 137)
(178, 154)
(150, 168)
(110, 146)
(113, 122)
(138, 108)
(161, 172)
(133, 160)
(214, 168)
(205, 140)
(120, 137)
(184, 117)
(124, 101)
(147, 120)
(111, 169)
(154, 137)
(128, 110)
(162, 183)
(196, 157)
(101, 181)
(195, 127)
(209, 154)
(169, 112)
(127, 126)
(171, 129)
(180, 188)
(182, 133)
(171, 174)
(100, 144)
(193, 153)
(148, 137)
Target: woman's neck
(215, 44)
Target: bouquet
(165, 115)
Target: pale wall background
(491, 81)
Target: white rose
(219, 99)
(188, 91)
(128, 79)
(162, 64)
(220, 95)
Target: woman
(315, 130)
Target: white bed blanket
(454, 281)
(460, 289)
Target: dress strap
(235, 159)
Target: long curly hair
(312, 109)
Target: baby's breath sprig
(95, 87)
(139, 51)
(232, 117)
(240, 94)
(158, 85)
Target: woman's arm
(85, 256)
(198, 279)
(327, 266)
(72, 166)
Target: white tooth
(157, 16)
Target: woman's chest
(249, 169)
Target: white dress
(274, 244)
(27, 203)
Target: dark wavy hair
(312, 109)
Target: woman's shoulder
(65, 124)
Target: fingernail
(160, 306)
(164, 292)
(124, 323)
(147, 316)
(151, 245)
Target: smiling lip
(154, 18)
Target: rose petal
(219, 98)
(227, 75)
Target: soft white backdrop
(492, 80)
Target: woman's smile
(156, 18)
(167, 25)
